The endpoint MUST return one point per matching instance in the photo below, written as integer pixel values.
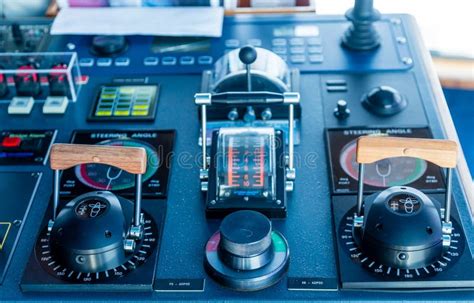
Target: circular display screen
(404, 204)
(385, 173)
(106, 177)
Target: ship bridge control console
(297, 157)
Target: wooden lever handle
(130, 159)
(443, 153)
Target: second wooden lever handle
(130, 159)
(443, 153)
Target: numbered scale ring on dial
(85, 244)
(401, 205)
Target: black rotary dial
(85, 244)
(350, 246)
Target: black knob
(248, 54)
(246, 241)
(103, 45)
(88, 233)
(362, 35)
(384, 101)
(245, 254)
(341, 111)
(402, 228)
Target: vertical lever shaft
(360, 190)
(138, 200)
(247, 56)
(55, 193)
(447, 212)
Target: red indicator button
(11, 142)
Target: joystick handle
(440, 152)
(248, 55)
(129, 159)
(370, 149)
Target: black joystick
(246, 254)
(104, 45)
(402, 229)
(361, 35)
(88, 233)
(246, 240)
(248, 55)
(384, 101)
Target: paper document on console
(158, 21)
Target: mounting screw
(71, 46)
(407, 60)
(401, 40)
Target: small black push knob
(341, 111)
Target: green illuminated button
(278, 243)
(103, 113)
(140, 113)
(127, 90)
(110, 95)
(122, 113)
(139, 106)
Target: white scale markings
(389, 269)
